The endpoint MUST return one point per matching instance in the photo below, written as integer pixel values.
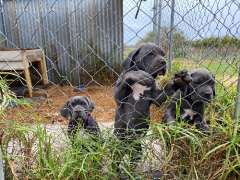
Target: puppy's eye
(151, 54)
(82, 103)
(212, 82)
(78, 103)
(197, 82)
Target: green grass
(188, 153)
(8, 98)
(127, 51)
(219, 67)
(82, 160)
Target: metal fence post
(237, 106)
(1, 166)
(158, 17)
(155, 16)
(170, 42)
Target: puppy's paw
(181, 79)
(138, 90)
(202, 126)
(139, 76)
(182, 76)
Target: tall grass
(7, 97)
(37, 157)
(187, 153)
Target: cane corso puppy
(149, 58)
(135, 91)
(78, 111)
(192, 98)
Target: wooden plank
(14, 56)
(15, 49)
(34, 55)
(33, 51)
(10, 66)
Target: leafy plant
(6, 96)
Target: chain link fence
(194, 34)
(84, 43)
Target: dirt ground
(45, 108)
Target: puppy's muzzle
(164, 68)
(161, 69)
(208, 96)
(80, 112)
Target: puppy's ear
(91, 104)
(66, 110)
(130, 61)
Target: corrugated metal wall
(82, 38)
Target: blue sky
(202, 19)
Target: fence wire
(84, 44)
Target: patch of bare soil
(46, 110)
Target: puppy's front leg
(169, 116)
(122, 89)
(72, 128)
(158, 96)
(179, 81)
(199, 117)
(202, 125)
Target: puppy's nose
(208, 95)
(78, 108)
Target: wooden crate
(20, 60)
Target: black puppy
(149, 58)
(135, 91)
(78, 110)
(192, 98)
